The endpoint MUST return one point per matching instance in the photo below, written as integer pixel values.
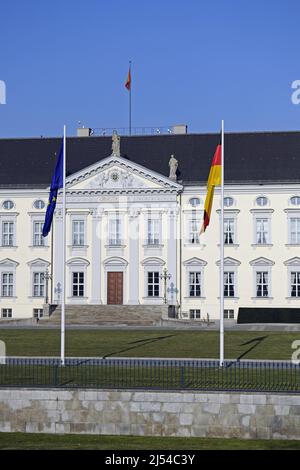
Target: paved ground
(170, 325)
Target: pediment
(262, 262)
(293, 261)
(39, 262)
(228, 261)
(117, 173)
(195, 262)
(8, 263)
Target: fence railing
(155, 374)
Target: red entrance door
(115, 288)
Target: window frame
(153, 284)
(40, 284)
(78, 284)
(80, 234)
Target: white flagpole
(63, 302)
(222, 253)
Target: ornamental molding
(98, 197)
(124, 173)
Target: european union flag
(56, 184)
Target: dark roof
(257, 157)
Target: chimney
(180, 129)
(84, 132)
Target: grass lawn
(158, 343)
(85, 442)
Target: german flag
(214, 179)
(128, 81)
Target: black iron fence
(151, 374)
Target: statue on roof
(115, 144)
(173, 164)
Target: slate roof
(253, 157)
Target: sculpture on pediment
(102, 179)
(115, 144)
(127, 179)
(173, 164)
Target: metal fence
(151, 374)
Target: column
(96, 265)
(57, 257)
(172, 258)
(134, 268)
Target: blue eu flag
(56, 184)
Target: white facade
(123, 218)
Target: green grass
(158, 343)
(84, 442)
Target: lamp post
(165, 276)
(47, 276)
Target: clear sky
(194, 62)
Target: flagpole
(130, 99)
(63, 302)
(222, 253)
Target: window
(262, 284)
(261, 201)
(153, 232)
(295, 200)
(229, 284)
(228, 231)
(38, 239)
(153, 284)
(38, 313)
(6, 313)
(8, 205)
(195, 314)
(295, 231)
(39, 204)
(228, 201)
(195, 284)
(78, 233)
(7, 233)
(295, 284)
(114, 232)
(194, 201)
(228, 314)
(7, 287)
(194, 229)
(262, 231)
(78, 284)
(38, 284)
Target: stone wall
(242, 415)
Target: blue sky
(194, 62)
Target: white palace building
(133, 217)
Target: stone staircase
(109, 315)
